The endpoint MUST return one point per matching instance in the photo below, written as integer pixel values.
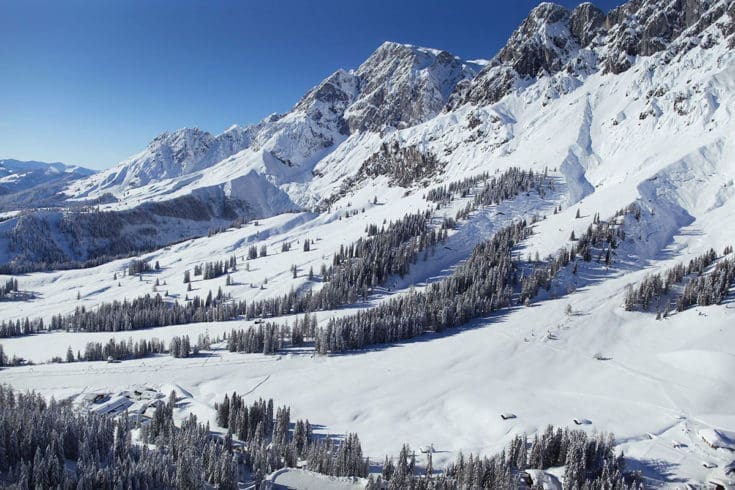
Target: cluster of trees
(343, 458)
(38, 440)
(142, 312)
(271, 446)
(656, 290)
(590, 463)
(369, 262)
(603, 237)
(484, 283)
(199, 457)
(147, 312)
(10, 328)
(360, 267)
(218, 268)
(542, 274)
(600, 238)
(710, 288)
(265, 338)
(459, 188)
(509, 185)
(124, 350)
(117, 350)
(97, 235)
(181, 347)
(355, 271)
(54, 240)
(403, 165)
(266, 440)
(137, 266)
(302, 329)
(254, 252)
(10, 287)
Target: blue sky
(91, 82)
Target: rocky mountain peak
(586, 22)
(184, 145)
(646, 27)
(552, 39)
(402, 85)
(542, 42)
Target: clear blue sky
(90, 82)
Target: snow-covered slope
(636, 105)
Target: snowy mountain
(16, 176)
(410, 115)
(35, 184)
(169, 155)
(625, 120)
(397, 86)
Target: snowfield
(659, 135)
(662, 381)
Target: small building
(507, 415)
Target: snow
(308, 480)
(716, 439)
(665, 388)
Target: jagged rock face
(553, 39)
(645, 27)
(586, 22)
(327, 102)
(400, 86)
(185, 148)
(403, 85)
(313, 125)
(544, 42)
(397, 86)
(403, 165)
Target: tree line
(590, 463)
(38, 440)
(121, 350)
(272, 445)
(356, 270)
(704, 288)
(600, 238)
(481, 285)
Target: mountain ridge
(436, 115)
